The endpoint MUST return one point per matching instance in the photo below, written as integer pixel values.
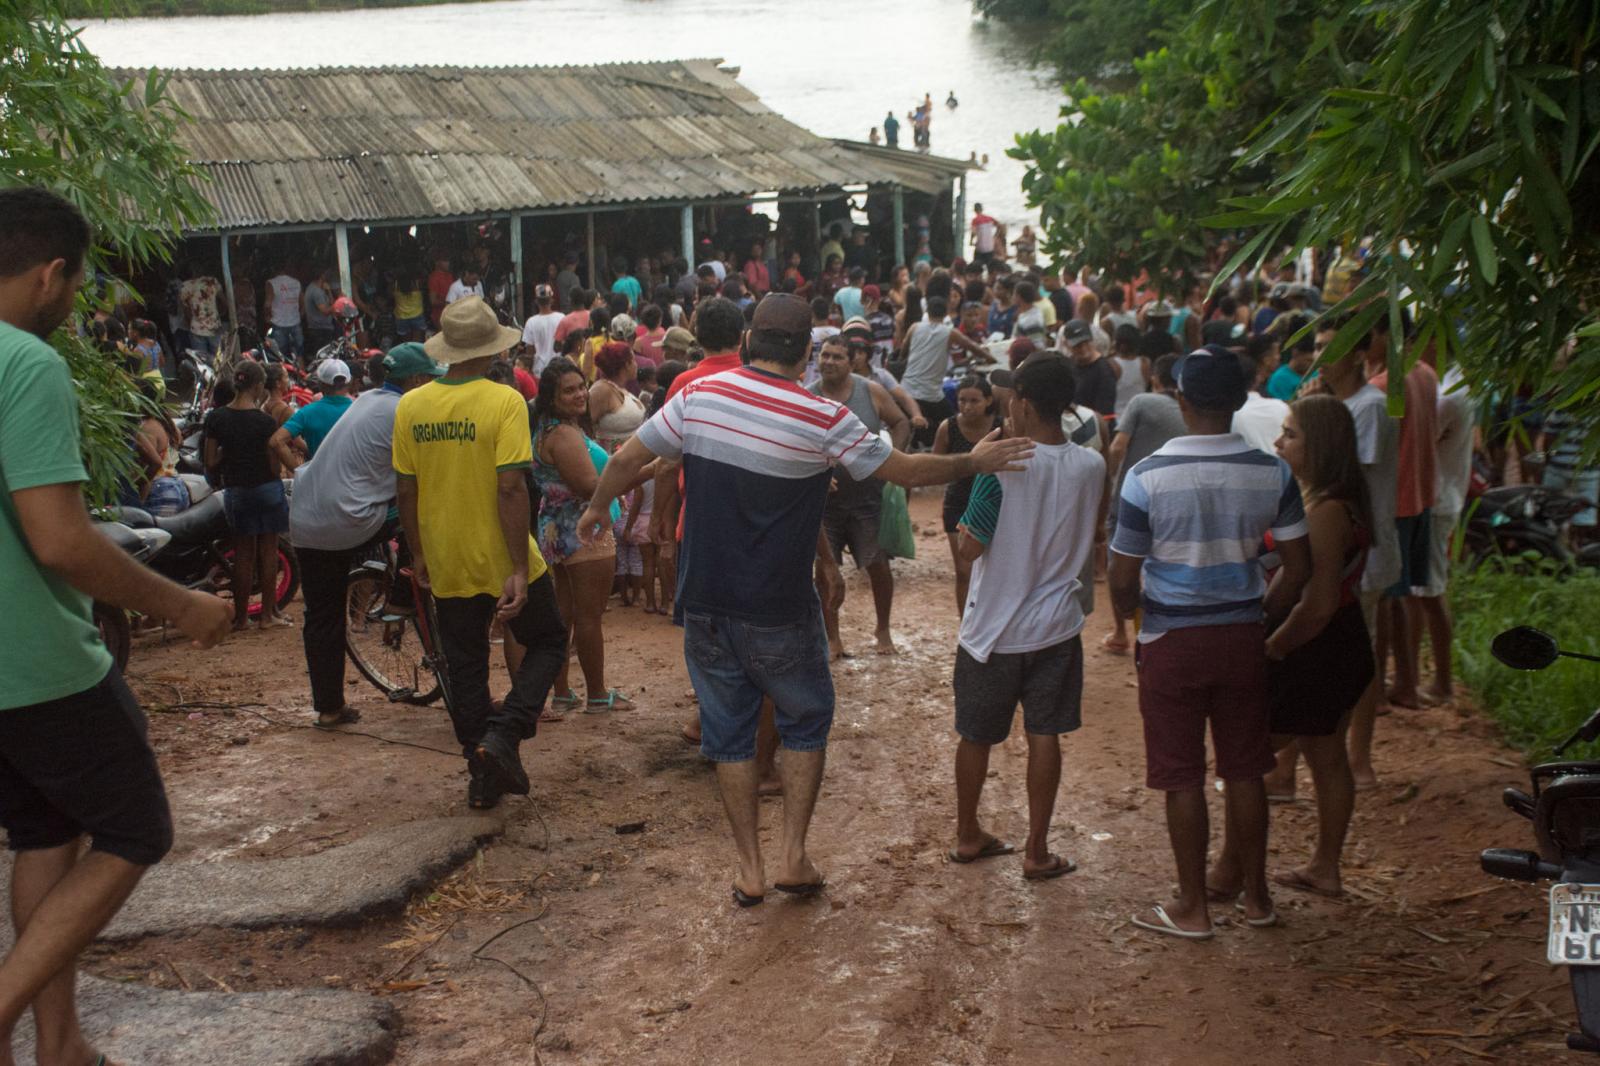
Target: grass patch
(1536, 710)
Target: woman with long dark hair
(957, 435)
(566, 468)
(253, 497)
(1319, 660)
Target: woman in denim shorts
(238, 458)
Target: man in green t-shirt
(74, 758)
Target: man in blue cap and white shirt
(343, 500)
(1191, 523)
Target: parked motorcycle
(200, 555)
(1514, 520)
(116, 630)
(1564, 806)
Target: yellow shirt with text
(453, 438)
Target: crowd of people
(713, 445)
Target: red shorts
(1205, 672)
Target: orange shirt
(1415, 485)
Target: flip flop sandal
(995, 847)
(569, 700)
(1063, 865)
(1266, 922)
(605, 703)
(346, 716)
(744, 899)
(1300, 884)
(805, 890)
(1167, 927)
(550, 714)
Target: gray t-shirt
(1378, 448)
(316, 294)
(927, 360)
(1150, 420)
(342, 497)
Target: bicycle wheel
(387, 648)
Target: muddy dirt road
(630, 951)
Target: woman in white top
(1133, 369)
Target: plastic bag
(894, 524)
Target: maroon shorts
(1205, 672)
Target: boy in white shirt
(1029, 534)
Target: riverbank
(175, 8)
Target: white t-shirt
(342, 496)
(540, 335)
(1023, 595)
(1378, 448)
(1260, 421)
(983, 231)
(458, 290)
(285, 309)
(1454, 469)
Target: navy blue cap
(1211, 379)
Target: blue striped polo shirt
(1196, 511)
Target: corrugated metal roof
(345, 144)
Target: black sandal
(744, 899)
(346, 716)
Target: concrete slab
(341, 886)
(136, 1024)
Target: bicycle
(390, 640)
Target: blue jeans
(733, 663)
(203, 345)
(291, 340)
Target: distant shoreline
(177, 8)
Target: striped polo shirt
(758, 452)
(1196, 511)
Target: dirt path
(638, 955)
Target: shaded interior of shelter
(330, 166)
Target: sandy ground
(624, 946)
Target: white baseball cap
(333, 371)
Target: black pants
(464, 638)
(324, 581)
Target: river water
(833, 68)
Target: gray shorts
(854, 526)
(1048, 683)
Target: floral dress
(559, 507)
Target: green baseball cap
(405, 360)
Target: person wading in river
(74, 756)
(758, 453)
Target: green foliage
(111, 149)
(1536, 710)
(1463, 145)
(1093, 39)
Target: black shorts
(83, 764)
(854, 526)
(1048, 683)
(1415, 535)
(1313, 687)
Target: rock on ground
(306, 1027)
(340, 886)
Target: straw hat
(469, 329)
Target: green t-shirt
(49, 645)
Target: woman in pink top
(647, 348)
(756, 276)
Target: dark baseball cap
(1211, 379)
(782, 312)
(1077, 331)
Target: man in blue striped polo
(1191, 523)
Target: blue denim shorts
(733, 663)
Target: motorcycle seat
(200, 522)
(136, 518)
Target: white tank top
(285, 300)
(1130, 382)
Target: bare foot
(1366, 780)
(1407, 698)
(886, 643)
(241, 624)
(803, 872)
(1304, 880)
(1440, 696)
(837, 652)
(1114, 644)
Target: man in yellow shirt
(462, 449)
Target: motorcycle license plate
(1574, 925)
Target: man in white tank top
(283, 312)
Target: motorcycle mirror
(1525, 648)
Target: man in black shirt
(1097, 378)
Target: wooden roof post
(899, 225)
(958, 232)
(516, 263)
(341, 241)
(227, 284)
(588, 220)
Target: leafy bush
(1536, 710)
